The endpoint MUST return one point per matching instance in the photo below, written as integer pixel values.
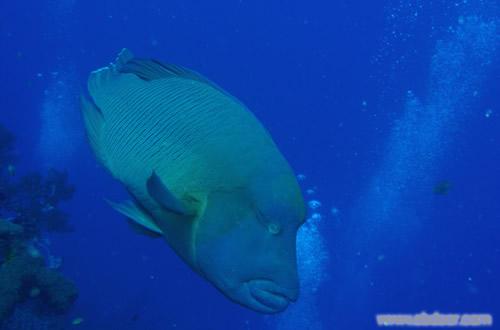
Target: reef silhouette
(28, 208)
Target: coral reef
(22, 318)
(34, 200)
(9, 234)
(29, 207)
(23, 274)
(6, 146)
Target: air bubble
(334, 211)
(314, 204)
(310, 191)
(316, 216)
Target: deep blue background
(328, 79)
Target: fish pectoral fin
(142, 230)
(160, 193)
(140, 220)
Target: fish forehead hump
(278, 197)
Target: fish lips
(267, 297)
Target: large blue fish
(203, 173)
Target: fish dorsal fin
(139, 217)
(101, 79)
(151, 69)
(123, 57)
(160, 193)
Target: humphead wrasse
(203, 173)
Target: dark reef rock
(23, 318)
(9, 230)
(35, 199)
(32, 198)
(9, 238)
(23, 275)
(6, 146)
(28, 207)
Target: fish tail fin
(93, 120)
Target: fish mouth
(267, 297)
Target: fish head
(246, 246)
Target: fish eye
(272, 227)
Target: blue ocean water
(389, 112)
